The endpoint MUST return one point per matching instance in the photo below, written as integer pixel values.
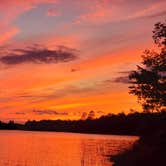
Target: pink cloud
(11, 10)
(101, 11)
(98, 11)
(52, 12)
(151, 9)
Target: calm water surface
(26, 148)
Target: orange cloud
(128, 56)
(107, 101)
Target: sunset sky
(60, 58)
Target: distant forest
(130, 124)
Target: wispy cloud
(104, 11)
(122, 79)
(153, 9)
(48, 112)
(20, 113)
(158, 14)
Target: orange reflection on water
(25, 148)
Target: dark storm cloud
(39, 55)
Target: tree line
(124, 124)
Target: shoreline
(106, 134)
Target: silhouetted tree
(91, 115)
(11, 122)
(149, 80)
(159, 34)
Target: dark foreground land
(149, 150)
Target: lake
(29, 148)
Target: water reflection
(24, 148)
